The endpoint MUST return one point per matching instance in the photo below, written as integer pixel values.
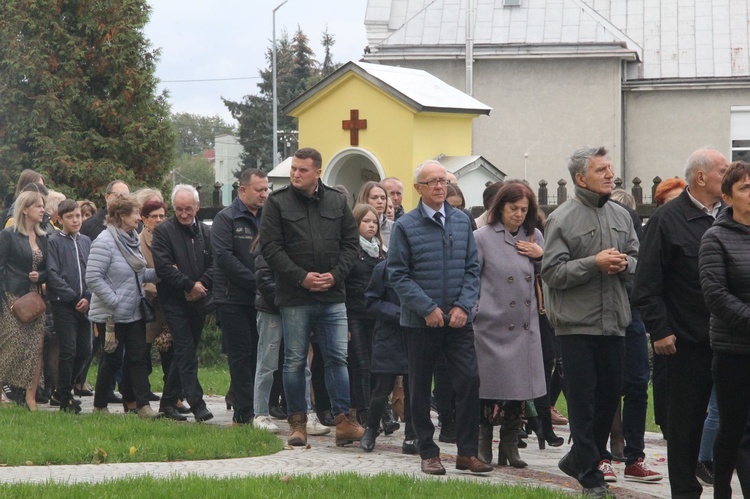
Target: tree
(328, 41)
(78, 97)
(296, 71)
(195, 170)
(196, 133)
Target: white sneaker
(266, 423)
(314, 426)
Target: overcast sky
(223, 39)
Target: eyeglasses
(187, 211)
(157, 217)
(435, 182)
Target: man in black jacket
(310, 240)
(235, 229)
(184, 264)
(667, 290)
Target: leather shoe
(113, 398)
(409, 447)
(433, 466)
(566, 466)
(471, 463)
(171, 412)
(447, 438)
(82, 391)
(152, 397)
(202, 414)
(183, 409)
(367, 442)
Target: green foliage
(78, 100)
(196, 133)
(326, 486)
(296, 71)
(55, 437)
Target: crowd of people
(350, 312)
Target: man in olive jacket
(590, 252)
(310, 240)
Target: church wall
(664, 127)
(545, 108)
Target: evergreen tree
(78, 100)
(328, 41)
(296, 71)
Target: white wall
(228, 150)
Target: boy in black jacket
(67, 254)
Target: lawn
(325, 486)
(54, 437)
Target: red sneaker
(605, 466)
(640, 472)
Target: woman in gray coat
(115, 274)
(506, 327)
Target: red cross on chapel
(354, 125)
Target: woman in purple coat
(506, 327)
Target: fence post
(618, 183)
(217, 194)
(562, 191)
(542, 192)
(235, 189)
(637, 191)
(657, 181)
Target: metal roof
(671, 38)
(416, 88)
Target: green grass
(562, 406)
(54, 437)
(325, 486)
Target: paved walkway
(323, 456)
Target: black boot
(367, 442)
(548, 433)
(390, 424)
(507, 452)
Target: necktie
(438, 217)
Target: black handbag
(147, 310)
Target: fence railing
(548, 203)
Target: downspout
(623, 125)
(470, 47)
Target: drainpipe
(469, 47)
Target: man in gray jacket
(590, 253)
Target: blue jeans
(328, 322)
(270, 334)
(710, 428)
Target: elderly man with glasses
(434, 268)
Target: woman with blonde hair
(23, 255)
(374, 194)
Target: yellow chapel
(371, 121)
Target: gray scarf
(129, 246)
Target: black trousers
(135, 386)
(661, 393)
(593, 380)
(360, 355)
(731, 374)
(424, 345)
(689, 384)
(74, 333)
(383, 386)
(240, 333)
(445, 397)
(318, 379)
(186, 323)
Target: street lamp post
(273, 63)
